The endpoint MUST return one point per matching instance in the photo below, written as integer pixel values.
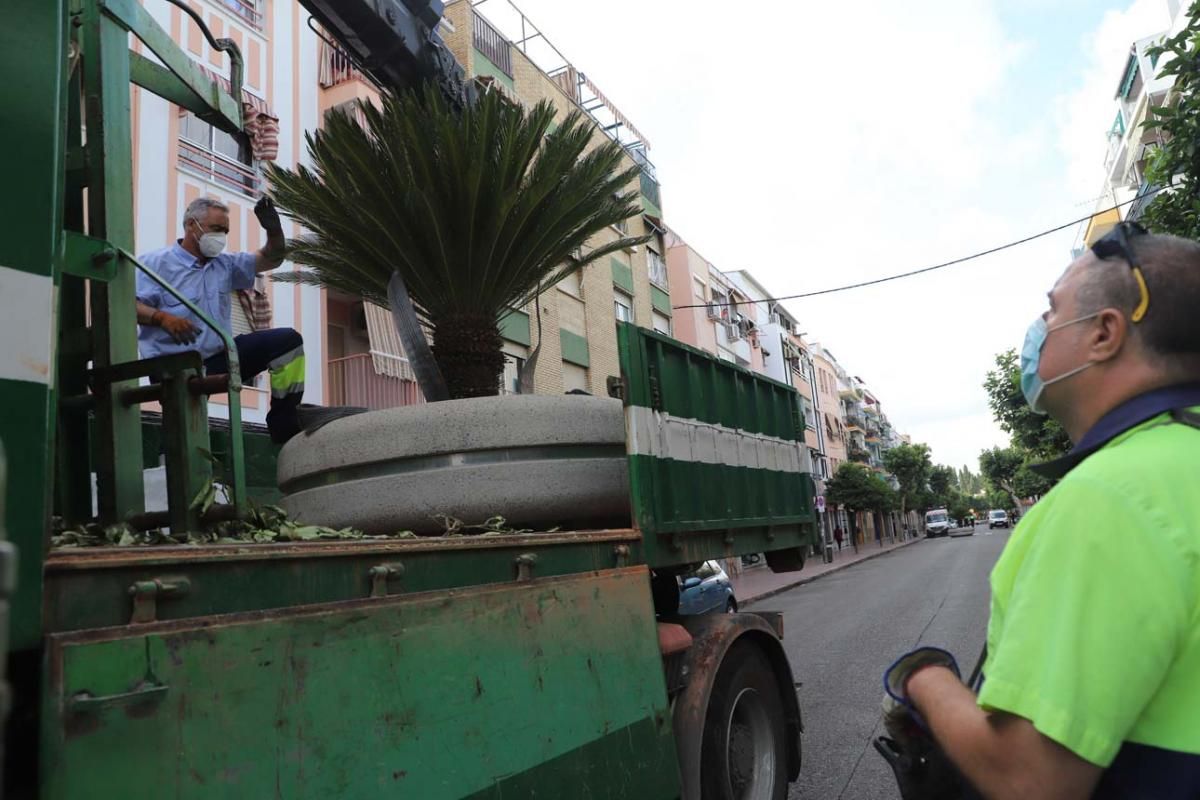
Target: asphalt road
(843, 630)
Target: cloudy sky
(821, 144)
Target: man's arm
(1002, 755)
(181, 330)
(273, 252)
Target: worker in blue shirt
(198, 267)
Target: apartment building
(828, 373)
(711, 311)
(1140, 86)
(353, 354)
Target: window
(575, 377)
(247, 10)
(572, 284)
(510, 381)
(622, 306)
(214, 154)
(662, 323)
(657, 267)
(699, 290)
(810, 416)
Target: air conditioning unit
(732, 332)
(714, 311)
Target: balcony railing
(853, 422)
(650, 189)
(658, 270)
(247, 10)
(353, 381)
(492, 44)
(218, 168)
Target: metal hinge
(146, 595)
(525, 564)
(381, 574)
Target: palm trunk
(468, 350)
(412, 337)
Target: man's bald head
(1170, 331)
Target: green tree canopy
(911, 465)
(1038, 435)
(1177, 162)
(858, 488)
(941, 484)
(1000, 467)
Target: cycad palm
(476, 211)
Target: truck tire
(744, 750)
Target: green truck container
(547, 664)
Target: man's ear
(1108, 336)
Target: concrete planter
(538, 461)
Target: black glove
(268, 217)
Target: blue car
(705, 589)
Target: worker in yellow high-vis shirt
(1091, 686)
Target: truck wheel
(744, 754)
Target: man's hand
(181, 330)
(273, 252)
(268, 216)
(895, 678)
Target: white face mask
(211, 244)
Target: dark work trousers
(281, 352)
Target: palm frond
(473, 210)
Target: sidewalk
(758, 582)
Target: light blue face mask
(1032, 384)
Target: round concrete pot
(537, 461)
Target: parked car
(937, 523)
(997, 519)
(705, 589)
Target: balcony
(353, 381)
(859, 456)
(218, 168)
(492, 44)
(854, 423)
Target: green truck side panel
(689, 511)
(32, 154)
(470, 694)
(660, 300)
(574, 348)
(514, 326)
(89, 588)
(622, 274)
(482, 65)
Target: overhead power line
(923, 270)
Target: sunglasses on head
(1117, 243)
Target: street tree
(856, 488)
(453, 219)
(1000, 467)
(1037, 434)
(941, 483)
(1176, 163)
(911, 465)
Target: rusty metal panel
(717, 461)
(542, 685)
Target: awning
(656, 223)
(260, 105)
(387, 354)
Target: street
(844, 629)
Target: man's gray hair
(1171, 265)
(198, 208)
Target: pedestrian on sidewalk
(1090, 682)
(837, 536)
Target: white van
(937, 522)
(997, 519)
